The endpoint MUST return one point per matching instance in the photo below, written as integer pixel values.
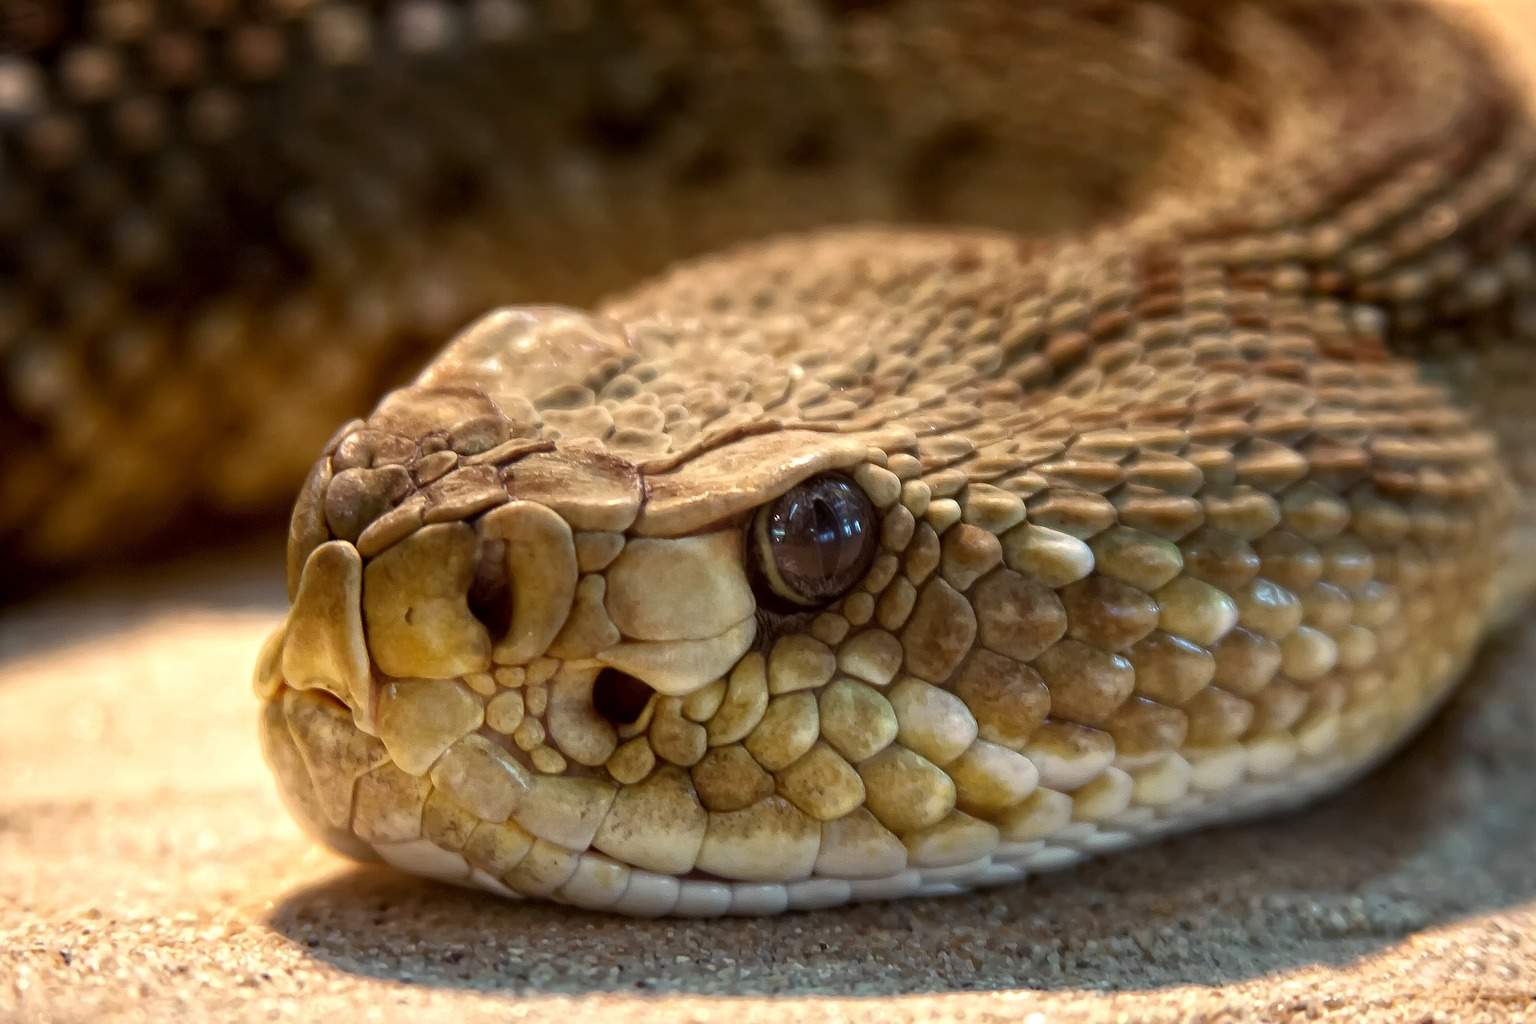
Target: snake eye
(813, 543)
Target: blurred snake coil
(912, 445)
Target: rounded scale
(813, 543)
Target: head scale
(548, 574)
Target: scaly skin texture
(1199, 454)
(213, 212)
(225, 228)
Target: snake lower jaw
(647, 849)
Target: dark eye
(813, 544)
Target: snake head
(537, 589)
(590, 612)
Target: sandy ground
(147, 872)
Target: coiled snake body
(1167, 467)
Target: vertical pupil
(824, 530)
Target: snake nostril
(619, 697)
(490, 596)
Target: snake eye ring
(812, 544)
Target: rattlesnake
(1127, 434)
